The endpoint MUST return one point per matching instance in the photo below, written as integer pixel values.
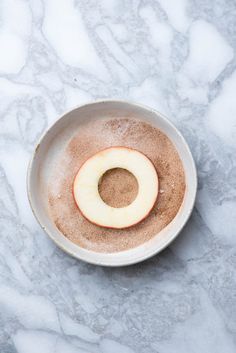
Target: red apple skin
(109, 227)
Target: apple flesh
(89, 201)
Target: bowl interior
(55, 140)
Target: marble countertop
(177, 56)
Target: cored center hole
(118, 187)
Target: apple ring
(89, 201)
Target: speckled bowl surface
(54, 141)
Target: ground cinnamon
(118, 188)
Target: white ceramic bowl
(57, 137)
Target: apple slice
(89, 201)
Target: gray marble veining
(178, 57)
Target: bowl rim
(107, 262)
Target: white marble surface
(177, 56)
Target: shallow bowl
(54, 141)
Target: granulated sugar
(118, 188)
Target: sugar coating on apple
(87, 196)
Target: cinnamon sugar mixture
(118, 187)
